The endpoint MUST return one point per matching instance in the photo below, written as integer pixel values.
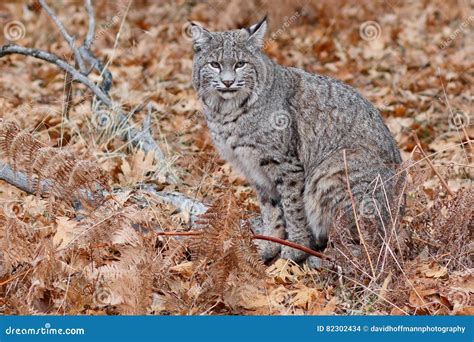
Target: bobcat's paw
(292, 254)
(321, 242)
(267, 250)
(314, 262)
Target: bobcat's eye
(239, 64)
(215, 65)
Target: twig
(405, 169)
(292, 245)
(179, 233)
(91, 28)
(362, 240)
(24, 273)
(259, 237)
(20, 180)
(441, 179)
(69, 39)
(426, 242)
(10, 49)
(178, 200)
(68, 96)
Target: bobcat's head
(229, 66)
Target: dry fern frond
(60, 165)
(224, 251)
(85, 174)
(446, 230)
(23, 148)
(107, 219)
(17, 240)
(40, 161)
(101, 263)
(68, 178)
(8, 131)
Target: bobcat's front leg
(273, 223)
(291, 188)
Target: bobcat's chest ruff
(241, 151)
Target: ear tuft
(257, 33)
(199, 35)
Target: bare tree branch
(55, 59)
(19, 179)
(90, 31)
(70, 40)
(140, 138)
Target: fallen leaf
(65, 231)
(137, 168)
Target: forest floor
(413, 60)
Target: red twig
(292, 245)
(259, 237)
(179, 233)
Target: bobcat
(297, 137)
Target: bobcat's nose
(228, 83)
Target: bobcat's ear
(200, 36)
(257, 33)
